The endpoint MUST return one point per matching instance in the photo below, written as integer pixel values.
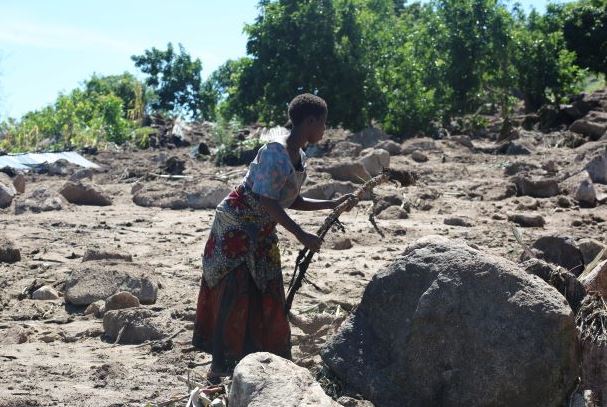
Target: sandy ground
(65, 361)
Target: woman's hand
(342, 199)
(310, 241)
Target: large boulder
(581, 188)
(597, 167)
(593, 125)
(446, 324)
(263, 379)
(375, 161)
(39, 200)
(97, 280)
(134, 325)
(80, 193)
(596, 279)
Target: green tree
(174, 77)
(134, 95)
(585, 31)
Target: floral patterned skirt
(235, 318)
(241, 304)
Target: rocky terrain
(100, 270)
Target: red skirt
(235, 318)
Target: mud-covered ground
(52, 354)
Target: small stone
(342, 244)
(82, 174)
(19, 183)
(564, 202)
(527, 221)
(97, 309)
(8, 252)
(591, 248)
(393, 213)
(419, 157)
(458, 221)
(121, 300)
(45, 293)
(392, 147)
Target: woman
(241, 304)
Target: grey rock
(392, 147)
(591, 248)
(207, 197)
(346, 149)
(341, 244)
(8, 252)
(369, 137)
(446, 324)
(560, 250)
(95, 253)
(596, 279)
(526, 220)
(263, 379)
(7, 191)
(419, 157)
(39, 200)
(80, 193)
(597, 167)
(81, 174)
(537, 188)
(565, 282)
(121, 300)
(346, 171)
(392, 213)
(458, 221)
(96, 308)
(328, 190)
(139, 325)
(419, 144)
(45, 293)
(97, 280)
(593, 125)
(19, 183)
(375, 161)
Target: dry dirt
(64, 360)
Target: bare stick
(305, 256)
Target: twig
(304, 257)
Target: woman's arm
(310, 240)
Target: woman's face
(315, 128)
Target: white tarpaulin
(30, 160)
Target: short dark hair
(306, 105)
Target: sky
(52, 46)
